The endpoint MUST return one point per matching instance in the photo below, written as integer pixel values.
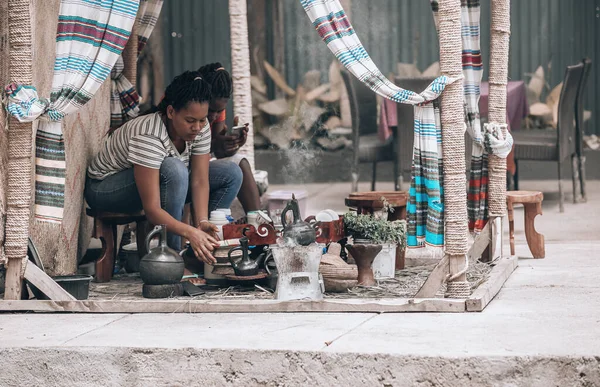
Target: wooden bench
(532, 202)
(105, 229)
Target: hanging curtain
(490, 140)
(91, 35)
(149, 13)
(425, 208)
(124, 98)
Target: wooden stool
(532, 202)
(366, 203)
(105, 229)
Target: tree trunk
(240, 71)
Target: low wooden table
(369, 202)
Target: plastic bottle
(252, 218)
(227, 212)
(219, 219)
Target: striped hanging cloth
(490, 140)
(124, 98)
(91, 36)
(425, 209)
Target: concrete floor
(543, 329)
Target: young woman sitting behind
(225, 146)
(160, 161)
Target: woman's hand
(209, 228)
(231, 144)
(203, 244)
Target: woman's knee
(174, 171)
(228, 173)
(174, 181)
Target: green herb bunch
(378, 231)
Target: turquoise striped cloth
(425, 208)
(91, 36)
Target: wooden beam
(13, 283)
(435, 280)
(496, 237)
(35, 276)
(453, 140)
(19, 150)
(240, 71)
(486, 292)
(481, 242)
(389, 305)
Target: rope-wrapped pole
(240, 71)
(453, 140)
(498, 78)
(130, 55)
(20, 142)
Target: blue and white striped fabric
(425, 209)
(124, 97)
(91, 36)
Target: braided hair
(219, 79)
(185, 88)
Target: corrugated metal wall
(392, 31)
(401, 30)
(195, 33)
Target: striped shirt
(143, 141)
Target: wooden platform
(131, 303)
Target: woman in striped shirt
(160, 161)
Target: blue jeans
(118, 192)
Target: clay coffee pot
(245, 266)
(299, 232)
(162, 265)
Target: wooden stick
(387, 305)
(435, 280)
(482, 241)
(46, 285)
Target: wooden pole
(453, 131)
(20, 156)
(240, 71)
(498, 79)
(130, 55)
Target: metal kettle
(162, 265)
(245, 266)
(299, 232)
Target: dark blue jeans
(118, 193)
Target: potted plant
(375, 239)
